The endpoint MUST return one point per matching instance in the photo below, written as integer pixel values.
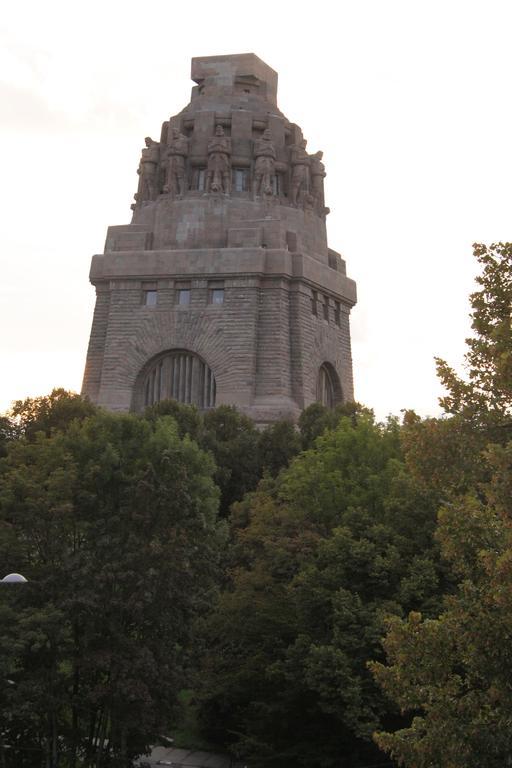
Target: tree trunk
(55, 753)
(76, 691)
(89, 751)
(102, 732)
(124, 745)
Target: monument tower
(223, 288)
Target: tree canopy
(114, 522)
(319, 557)
(451, 672)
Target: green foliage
(487, 396)
(451, 673)
(317, 418)
(187, 417)
(313, 421)
(231, 438)
(278, 445)
(233, 441)
(347, 471)
(319, 557)
(113, 520)
(185, 732)
(49, 412)
(445, 454)
(8, 432)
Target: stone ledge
(222, 262)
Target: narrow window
(183, 296)
(326, 308)
(278, 185)
(216, 292)
(240, 179)
(149, 298)
(314, 303)
(337, 313)
(198, 179)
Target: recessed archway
(328, 387)
(177, 374)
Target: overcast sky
(409, 100)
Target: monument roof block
(226, 72)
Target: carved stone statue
(176, 170)
(147, 170)
(218, 175)
(299, 160)
(309, 201)
(317, 171)
(265, 165)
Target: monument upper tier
(227, 162)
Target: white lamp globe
(13, 578)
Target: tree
(319, 556)
(485, 397)
(8, 432)
(113, 520)
(445, 455)
(451, 673)
(186, 416)
(278, 444)
(233, 440)
(314, 421)
(48, 412)
(317, 418)
(449, 453)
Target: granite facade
(225, 262)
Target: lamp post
(11, 578)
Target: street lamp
(13, 578)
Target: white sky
(409, 100)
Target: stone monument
(223, 288)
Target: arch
(176, 374)
(328, 387)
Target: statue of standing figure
(265, 165)
(147, 170)
(317, 171)
(299, 160)
(176, 170)
(218, 175)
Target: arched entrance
(178, 375)
(328, 387)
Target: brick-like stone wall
(265, 343)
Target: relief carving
(299, 160)
(218, 174)
(265, 165)
(317, 171)
(147, 170)
(177, 154)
